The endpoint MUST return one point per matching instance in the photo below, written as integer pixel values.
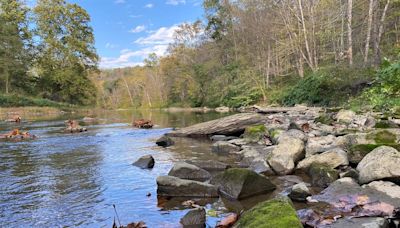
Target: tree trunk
(349, 31)
(303, 23)
(369, 27)
(379, 35)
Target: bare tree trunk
(303, 23)
(349, 31)
(369, 27)
(379, 35)
(128, 90)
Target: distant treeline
(46, 52)
(320, 52)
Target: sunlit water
(72, 180)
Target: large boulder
(320, 144)
(241, 183)
(299, 192)
(381, 163)
(255, 133)
(222, 147)
(187, 171)
(332, 158)
(195, 218)
(322, 175)
(145, 162)
(165, 141)
(278, 212)
(170, 186)
(283, 158)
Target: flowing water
(72, 180)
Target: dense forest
(319, 52)
(46, 52)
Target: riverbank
(343, 167)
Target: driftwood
(146, 124)
(16, 134)
(14, 119)
(73, 126)
(231, 125)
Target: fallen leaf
(228, 221)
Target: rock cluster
(347, 161)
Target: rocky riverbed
(338, 169)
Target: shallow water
(72, 180)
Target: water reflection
(72, 180)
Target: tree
(14, 43)
(66, 51)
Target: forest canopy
(242, 52)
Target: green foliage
(385, 94)
(14, 100)
(327, 87)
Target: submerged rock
(222, 147)
(195, 218)
(283, 158)
(322, 175)
(170, 186)
(332, 158)
(216, 138)
(238, 183)
(165, 141)
(145, 162)
(277, 213)
(17, 135)
(187, 171)
(381, 163)
(299, 192)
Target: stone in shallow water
(322, 175)
(222, 147)
(195, 218)
(238, 183)
(211, 166)
(170, 186)
(165, 141)
(187, 171)
(275, 213)
(299, 192)
(145, 162)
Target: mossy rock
(325, 119)
(382, 137)
(358, 152)
(275, 213)
(239, 183)
(322, 175)
(255, 133)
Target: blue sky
(127, 31)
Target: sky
(127, 31)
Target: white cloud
(150, 5)
(127, 57)
(137, 29)
(164, 35)
(119, 1)
(135, 16)
(175, 2)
